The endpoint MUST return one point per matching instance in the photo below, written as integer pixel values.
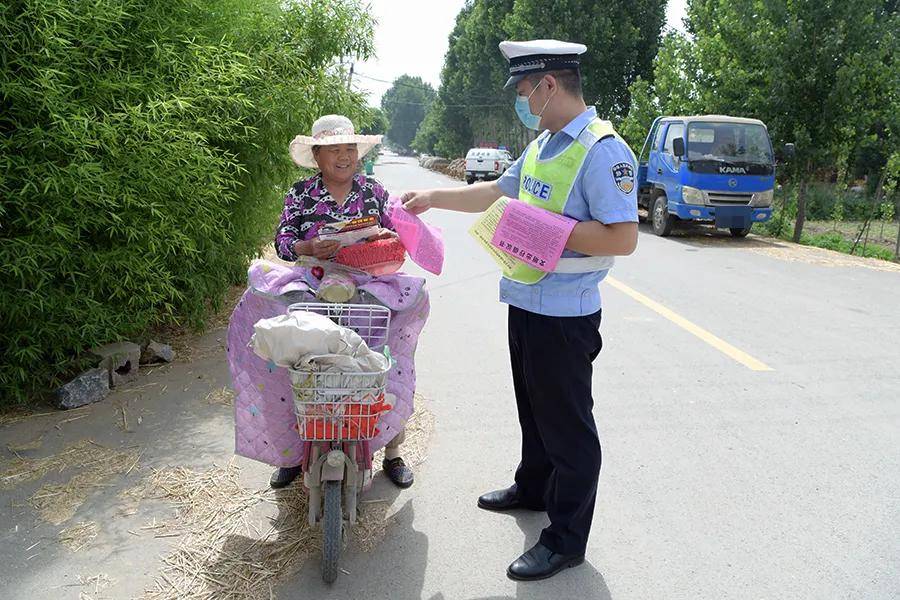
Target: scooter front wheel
(332, 525)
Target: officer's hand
(417, 202)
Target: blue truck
(711, 168)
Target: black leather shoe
(503, 500)
(398, 472)
(284, 476)
(541, 563)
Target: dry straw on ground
(81, 454)
(34, 444)
(56, 503)
(17, 415)
(223, 396)
(78, 536)
(786, 251)
(96, 583)
(228, 544)
(823, 257)
(219, 550)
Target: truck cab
(710, 168)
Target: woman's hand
(324, 249)
(383, 234)
(317, 248)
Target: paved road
(747, 398)
(719, 481)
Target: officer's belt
(585, 264)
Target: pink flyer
(423, 242)
(533, 235)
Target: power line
(395, 82)
(410, 85)
(447, 105)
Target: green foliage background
(622, 38)
(143, 154)
(823, 74)
(404, 105)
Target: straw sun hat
(330, 130)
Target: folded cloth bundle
(304, 340)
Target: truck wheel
(470, 180)
(660, 217)
(739, 233)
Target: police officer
(578, 166)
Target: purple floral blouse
(308, 206)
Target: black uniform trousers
(552, 366)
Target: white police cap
(539, 56)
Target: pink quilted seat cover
(265, 426)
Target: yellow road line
(717, 343)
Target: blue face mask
(523, 110)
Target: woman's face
(337, 162)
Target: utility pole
(350, 78)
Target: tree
(820, 73)
(673, 90)
(143, 157)
(810, 68)
(405, 104)
(376, 122)
(448, 132)
(428, 134)
(622, 37)
(473, 80)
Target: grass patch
(836, 241)
(834, 235)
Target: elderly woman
(337, 193)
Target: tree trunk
(897, 247)
(879, 198)
(781, 213)
(879, 189)
(801, 211)
(862, 230)
(876, 204)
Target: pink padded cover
(265, 426)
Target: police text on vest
(536, 187)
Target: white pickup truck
(486, 163)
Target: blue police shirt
(595, 196)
